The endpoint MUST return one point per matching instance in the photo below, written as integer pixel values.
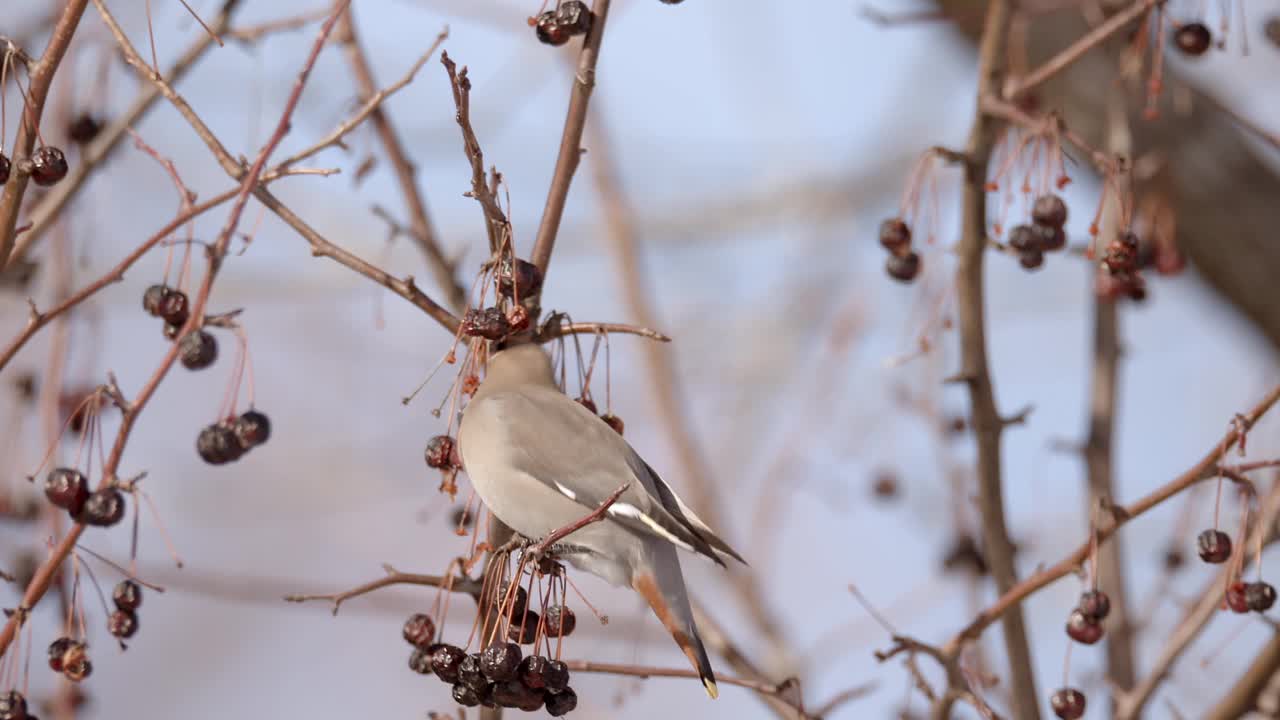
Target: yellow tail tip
(712, 691)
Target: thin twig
(594, 516)
(460, 584)
(496, 224)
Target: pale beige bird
(541, 461)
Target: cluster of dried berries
(1067, 703)
(127, 597)
(489, 323)
(228, 440)
(1214, 547)
(171, 305)
(1084, 625)
(1193, 38)
(1120, 264)
(571, 17)
(609, 418)
(903, 263)
(1044, 234)
(68, 489)
(71, 658)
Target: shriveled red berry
(67, 488)
(532, 670)
(555, 676)
(252, 428)
(1214, 546)
(489, 323)
(500, 660)
(560, 621)
(517, 605)
(48, 166)
(420, 661)
(6, 168)
(217, 444)
(1050, 211)
(1067, 703)
(153, 299)
(1236, 599)
(523, 628)
(1193, 38)
(127, 595)
(419, 630)
(122, 624)
(574, 16)
(614, 422)
(1121, 255)
(895, 235)
(470, 674)
(1082, 629)
(550, 31)
(1259, 596)
(524, 279)
(439, 452)
(104, 508)
(513, 694)
(84, 128)
(1095, 605)
(1031, 259)
(198, 350)
(562, 703)
(465, 696)
(903, 268)
(174, 308)
(446, 660)
(13, 706)
(57, 651)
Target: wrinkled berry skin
(465, 696)
(104, 508)
(252, 428)
(198, 350)
(488, 323)
(1259, 596)
(439, 452)
(1083, 630)
(57, 651)
(903, 268)
(48, 166)
(153, 299)
(469, 673)
(523, 628)
(562, 703)
(123, 624)
(217, 444)
(419, 630)
(1193, 39)
(1068, 703)
(1095, 605)
(532, 670)
(446, 661)
(524, 280)
(1214, 546)
(13, 706)
(895, 235)
(551, 32)
(127, 595)
(500, 661)
(574, 16)
(560, 621)
(555, 676)
(1050, 211)
(67, 488)
(420, 661)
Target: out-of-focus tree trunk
(1228, 219)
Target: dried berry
(84, 128)
(1121, 256)
(127, 595)
(1067, 703)
(1050, 211)
(1236, 599)
(419, 630)
(549, 31)
(217, 444)
(6, 168)
(500, 660)
(1031, 259)
(1024, 238)
(67, 488)
(252, 428)
(532, 670)
(513, 694)
(523, 628)
(57, 651)
(420, 661)
(587, 403)
(488, 323)
(1082, 629)
(1214, 546)
(465, 695)
(614, 422)
(198, 350)
(1049, 238)
(1095, 605)
(174, 308)
(574, 16)
(895, 235)
(903, 268)
(153, 299)
(104, 508)
(560, 621)
(469, 673)
(122, 624)
(439, 452)
(517, 318)
(1174, 559)
(1259, 596)
(1193, 38)
(562, 703)
(48, 166)
(13, 706)
(78, 670)
(524, 280)
(517, 605)
(446, 660)
(555, 676)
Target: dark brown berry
(1236, 599)
(1031, 259)
(420, 661)
(1121, 256)
(895, 235)
(48, 166)
(1214, 546)
(587, 403)
(465, 695)
(1067, 703)
(1259, 596)
(446, 660)
(1095, 605)
(1082, 629)
(439, 452)
(1193, 38)
(127, 595)
(517, 605)
(1174, 559)
(560, 621)
(549, 31)
(517, 318)
(217, 444)
(78, 670)
(614, 422)
(525, 280)
(84, 128)
(419, 630)
(575, 16)
(1049, 238)
(469, 672)
(488, 323)
(67, 488)
(57, 650)
(104, 508)
(1050, 211)
(122, 624)
(903, 268)
(513, 694)
(6, 168)
(174, 308)
(1024, 238)
(523, 628)
(500, 660)
(555, 676)
(198, 350)
(13, 706)
(153, 299)
(252, 428)
(531, 671)
(562, 703)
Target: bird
(540, 461)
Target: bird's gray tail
(663, 588)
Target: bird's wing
(676, 507)
(568, 448)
